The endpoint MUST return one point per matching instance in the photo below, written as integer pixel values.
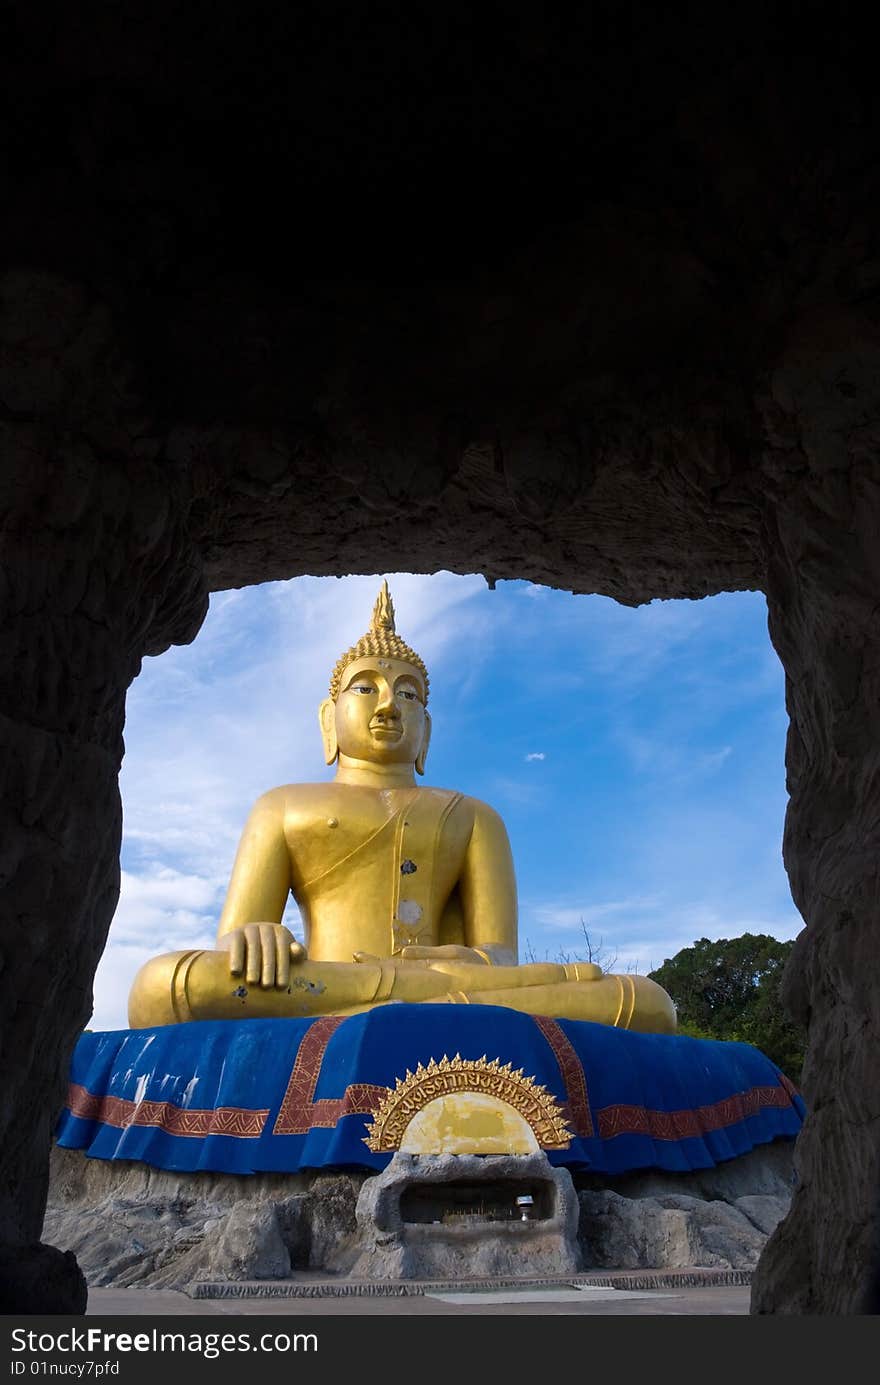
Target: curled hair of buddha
(380, 640)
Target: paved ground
(578, 1300)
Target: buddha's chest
(344, 826)
(388, 857)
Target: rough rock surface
(129, 1224)
(469, 1244)
(673, 1231)
(718, 1217)
(590, 319)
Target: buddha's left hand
(446, 952)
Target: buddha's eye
(362, 688)
(408, 694)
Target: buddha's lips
(386, 732)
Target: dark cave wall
(97, 570)
(823, 584)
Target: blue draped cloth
(261, 1095)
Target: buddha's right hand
(263, 952)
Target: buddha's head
(377, 708)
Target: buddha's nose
(386, 706)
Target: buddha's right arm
(260, 948)
(261, 877)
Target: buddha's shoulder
(473, 809)
(486, 816)
(287, 797)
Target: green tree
(730, 990)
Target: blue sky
(636, 756)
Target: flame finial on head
(381, 638)
(383, 610)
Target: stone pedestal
(455, 1216)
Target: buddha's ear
(327, 719)
(426, 741)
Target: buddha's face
(380, 711)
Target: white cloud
(174, 909)
(707, 764)
(536, 755)
(642, 932)
(673, 761)
(513, 791)
(566, 917)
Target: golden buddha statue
(407, 893)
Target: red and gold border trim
(577, 1105)
(174, 1120)
(299, 1111)
(685, 1124)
